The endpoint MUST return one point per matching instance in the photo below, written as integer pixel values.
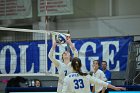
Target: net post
(46, 48)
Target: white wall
(119, 26)
(103, 26)
(79, 28)
(88, 8)
(102, 8)
(91, 18)
(128, 7)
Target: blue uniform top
(107, 74)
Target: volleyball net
(24, 52)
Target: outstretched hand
(120, 88)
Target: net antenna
(23, 52)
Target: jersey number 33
(78, 83)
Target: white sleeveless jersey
(74, 83)
(63, 69)
(100, 75)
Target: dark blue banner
(113, 50)
(31, 57)
(21, 57)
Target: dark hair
(15, 82)
(39, 81)
(98, 62)
(76, 64)
(70, 56)
(104, 62)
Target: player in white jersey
(78, 82)
(100, 75)
(64, 65)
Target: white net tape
(23, 52)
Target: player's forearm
(93, 89)
(52, 50)
(103, 90)
(75, 52)
(72, 46)
(111, 86)
(52, 58)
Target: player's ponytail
(76, 64)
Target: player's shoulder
(108, 71)
(72, 75)
(100, 71)
(85, 77)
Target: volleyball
(61, 38)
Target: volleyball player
(100, 75)
(64, 65)
(79, 82)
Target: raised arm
(74, 50)
(52, 55)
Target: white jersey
(75, 83)
(63, 69)
(100, 75)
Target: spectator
(16, 82)
(38, 83)
(106, 71)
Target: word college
(31, 57)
